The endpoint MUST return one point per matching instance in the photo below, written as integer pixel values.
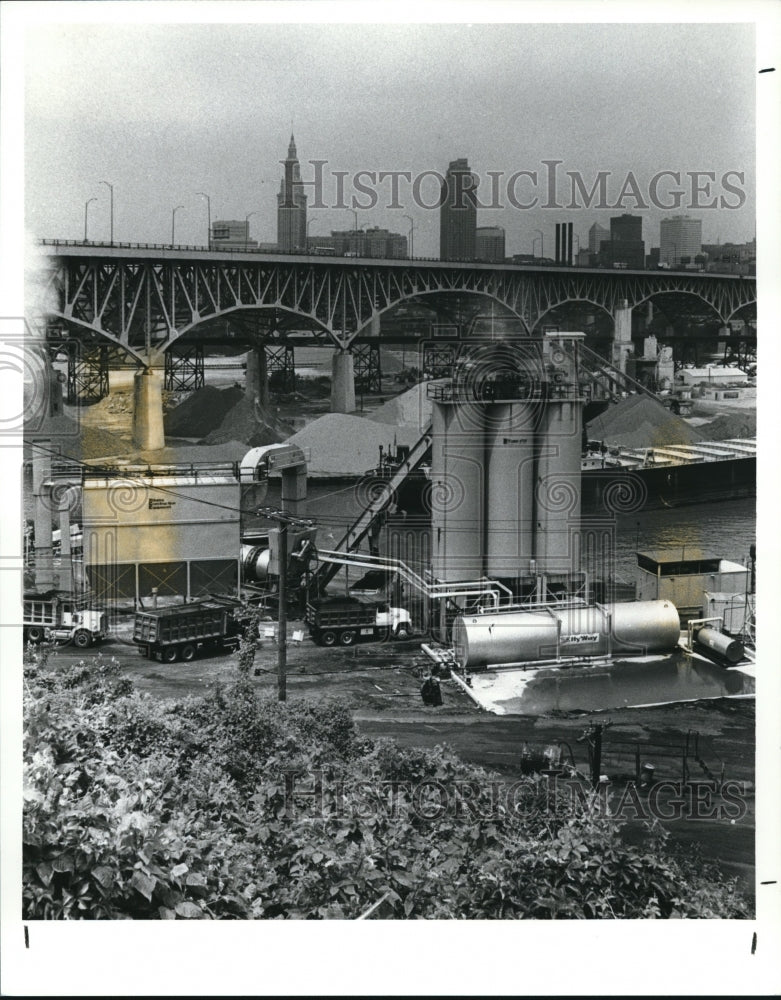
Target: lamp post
(534, 244)
(111, 193)
(87, 204)
(246, 227)
(542, 242)
(173, 223)
(209, 215)
(411, 236)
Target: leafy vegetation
(235, 806)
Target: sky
(163, 111)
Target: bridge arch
(440, 292)
(651, 296)
(557, 305)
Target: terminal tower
(291, 205)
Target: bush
(235, 806)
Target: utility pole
(284, 520)
(282, 638)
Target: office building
(229, 234)
(596, 235)
(624, 247)
(489, 243)
(458, 213)
(680, 240)
(374, 242)
(291, 205)
(564, 243)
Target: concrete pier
(622, 335)
(42, 505)
(148, 434)
(256, 380)
(342, 383)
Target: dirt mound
(411, 409)
(202, 412)
(71, 439)
(251, 424)
(640, 422)
(733, 425)
(338, 444)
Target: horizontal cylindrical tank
(717, 642)
(638, 628)
(254, 563)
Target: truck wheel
(34, 634)
(188, 651)
(347, 638)
(328, 638)
(170, 654)
(403, 632)
(82, 639)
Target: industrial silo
(457, 494)
(510, 480)
(557, 493)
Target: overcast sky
(163, 112)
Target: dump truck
(50, 617)
(346, 622)
(180, 632)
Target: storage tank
(639, 627)
(509, 448)
(557, 494)
(723, 646)
(457, 493)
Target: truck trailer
(178, 633)
(345, 621)
(50, 617)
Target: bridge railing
(327, 258)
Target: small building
(714, 374)
(685, 578)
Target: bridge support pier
(342, 382)
(42, 513)
(256, 382)
(148, 432)
(622, 335)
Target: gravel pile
(250, 423)
(338, 444)
(639, 422)
(72, 440)
(202, 412)
(411, 409)
(733, 425)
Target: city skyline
(216, 140)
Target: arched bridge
(144, 298)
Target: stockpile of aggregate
(250, 423)
(732, 425)
(202, 412)
(338, 444)
(72, 440)
(641, 422)
(410, 409)
(196, 454)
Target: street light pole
(87, 204)
(111, 193)
(209, 212)
(411, 236)
(173, 223)
(542, 242)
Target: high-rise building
(624, 247)
(680, 240)
(489, 243)
(596, 235)
(458, 213)
(291, 205)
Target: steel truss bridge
(142, 299)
